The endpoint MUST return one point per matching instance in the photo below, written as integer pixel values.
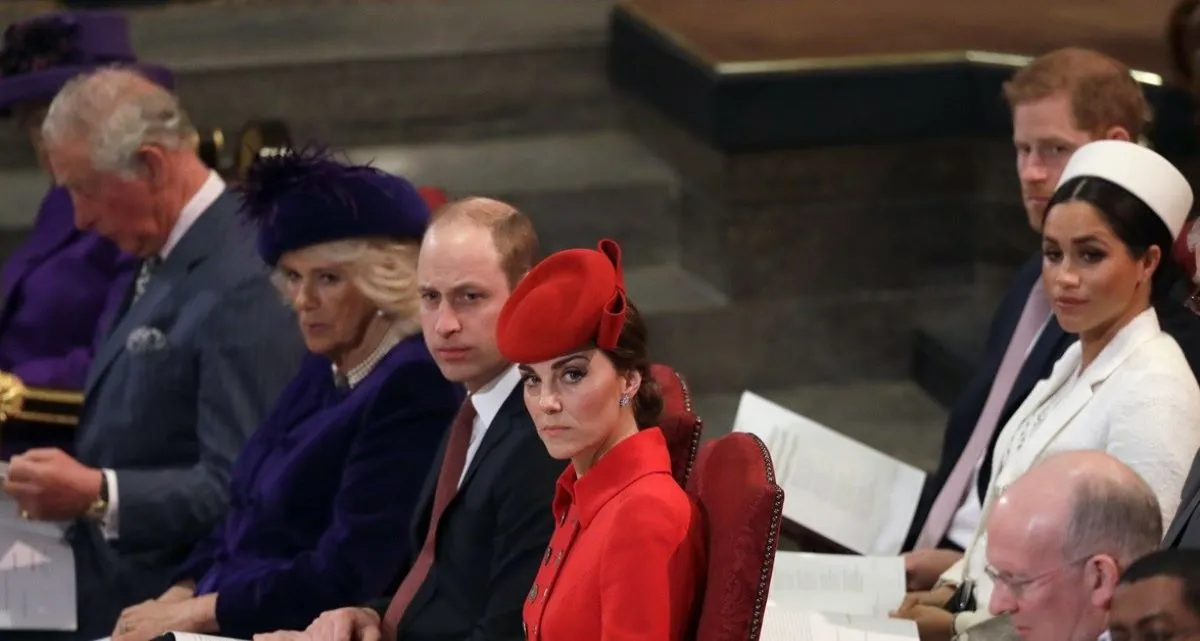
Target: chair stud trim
(772, 544)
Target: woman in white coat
(1124, 387)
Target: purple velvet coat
(56, 287)
(323, 493)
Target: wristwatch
(99, 507)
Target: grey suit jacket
(1184, 529)
(176, 387)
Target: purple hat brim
(43, 85)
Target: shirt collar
(490, 398)
(642, 454)
(208, 194)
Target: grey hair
(1116, 516)
(115, 111)
(383, 270)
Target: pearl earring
(624, 402)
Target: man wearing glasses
(1060, 538)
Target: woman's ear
(633, 381)
(1150, 262)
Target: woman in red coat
(626, 560)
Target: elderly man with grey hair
(185, 368)
(1058, 540)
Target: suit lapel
(500, 430)
(1186, 508)
(1045, 351)
(500, 427)
(196, 245)
(1050, 419)
(156, 292)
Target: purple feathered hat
(39, 55)
(306, 197)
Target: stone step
(782, 342)
(576, 187)
(23, 191)
(375, 73)
(945, 356)
(893, 416)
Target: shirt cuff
(108, 524)
(964, 621)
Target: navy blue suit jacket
(323, 494)
(490, 540)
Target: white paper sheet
(37, 573)
(836, 583)
(835, 486)
(786, 624)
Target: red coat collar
(642, 454)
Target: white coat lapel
(1058, 414)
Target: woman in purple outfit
(61, 285)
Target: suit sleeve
(524, 524)
(103, 271)
(361, 552)
(248, 349)
(648, 572)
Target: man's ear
(1118, 133)
(153, 165)
(1103, 573)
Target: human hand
(49, 485)
(923, 568)
(151, 619)
(283, 635)
(346, 624)
(933, 623)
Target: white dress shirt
(208, 194)
(488, 401)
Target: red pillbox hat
(570, 300)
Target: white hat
(1141, 172)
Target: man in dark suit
(1184, 529)
(1059, 102)
(485, 519)
(186, 366)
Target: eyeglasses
(1017, 586)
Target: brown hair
(1102, 91)
(512, 231)
(630, 355)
